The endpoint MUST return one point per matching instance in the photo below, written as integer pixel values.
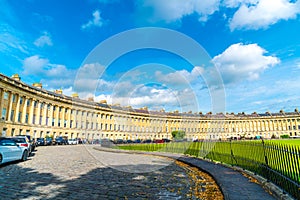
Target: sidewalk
(233, 184)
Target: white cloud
(91, 71)
(125, 93)
(87, 78)
(43, 40)
(262, 13)
(237, 3)
(174, 10)
(150, 96)
(34, 65)
(96, 21)
(54, 75)
(239, 62)
(180, 77)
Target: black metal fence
(277, 163)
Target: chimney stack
(38, 85)
(58, 91)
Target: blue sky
(254, 45)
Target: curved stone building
(34, 111)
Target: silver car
(11, 151)
(72, 141)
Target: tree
(178, 135)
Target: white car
(11, 151)
(24, 142)
(72, 141)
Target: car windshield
(7, 142)
(19, 140)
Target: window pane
(5, 95)
(4, 113)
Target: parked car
(129, 141)
(106, 142)
(96, 141)
(158, 141)
(118, 141)
(72, 141)
(79, 140)
(137, 141)
(11, 151)
(49, 141)
(61, 141)
(147, 141)
(23, 141)
(33, 144)
(40, 141)
(166, 140)
(31, 141)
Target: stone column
(17, 108)
(31, 112)
(50, 115)
(44, 117)
(24, 110)
(1, 101)
(69, 118)
(78, 119)
(38, 113)
(63, 116)
(57, 117)
(10, 106)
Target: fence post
(231, 153)
(266, 160)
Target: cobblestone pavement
(80, 172)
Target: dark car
(119, 141)
(60, 141)
(79, 141)
(33, 144)
(129, 141)
(40, 141)
(137, 141)
(166, 140)
(48, 141)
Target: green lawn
(295, 142)
(282, 155)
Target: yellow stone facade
(32, 110)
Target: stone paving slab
(233, 184)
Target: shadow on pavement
(170, 182)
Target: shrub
(284, 136)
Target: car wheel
(24, 156)
(1, 158)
